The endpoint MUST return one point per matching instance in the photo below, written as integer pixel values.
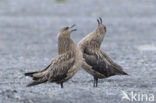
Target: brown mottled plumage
(97, 63)
(63, 66)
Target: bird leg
(62, 85)
(95, 84)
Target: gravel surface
(28, 42)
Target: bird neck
(96, 39)
(64, 45)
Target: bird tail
(119, 69)
(124, 73)
(36, 82)
(30, 74)
(38, 77)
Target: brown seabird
(64, 65)
(97, 63)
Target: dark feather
(29, 74)
(124, 73)
(102, 64)
(36, 83)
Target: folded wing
(101, 63)
(55, 72)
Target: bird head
(101, 27)
(66, 31)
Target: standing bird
(97, 63)
(64, 65)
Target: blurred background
(28, 42)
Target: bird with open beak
(64, 65)
(96, 62)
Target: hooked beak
(72, 27)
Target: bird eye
(66, 28)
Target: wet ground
(28, 42)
